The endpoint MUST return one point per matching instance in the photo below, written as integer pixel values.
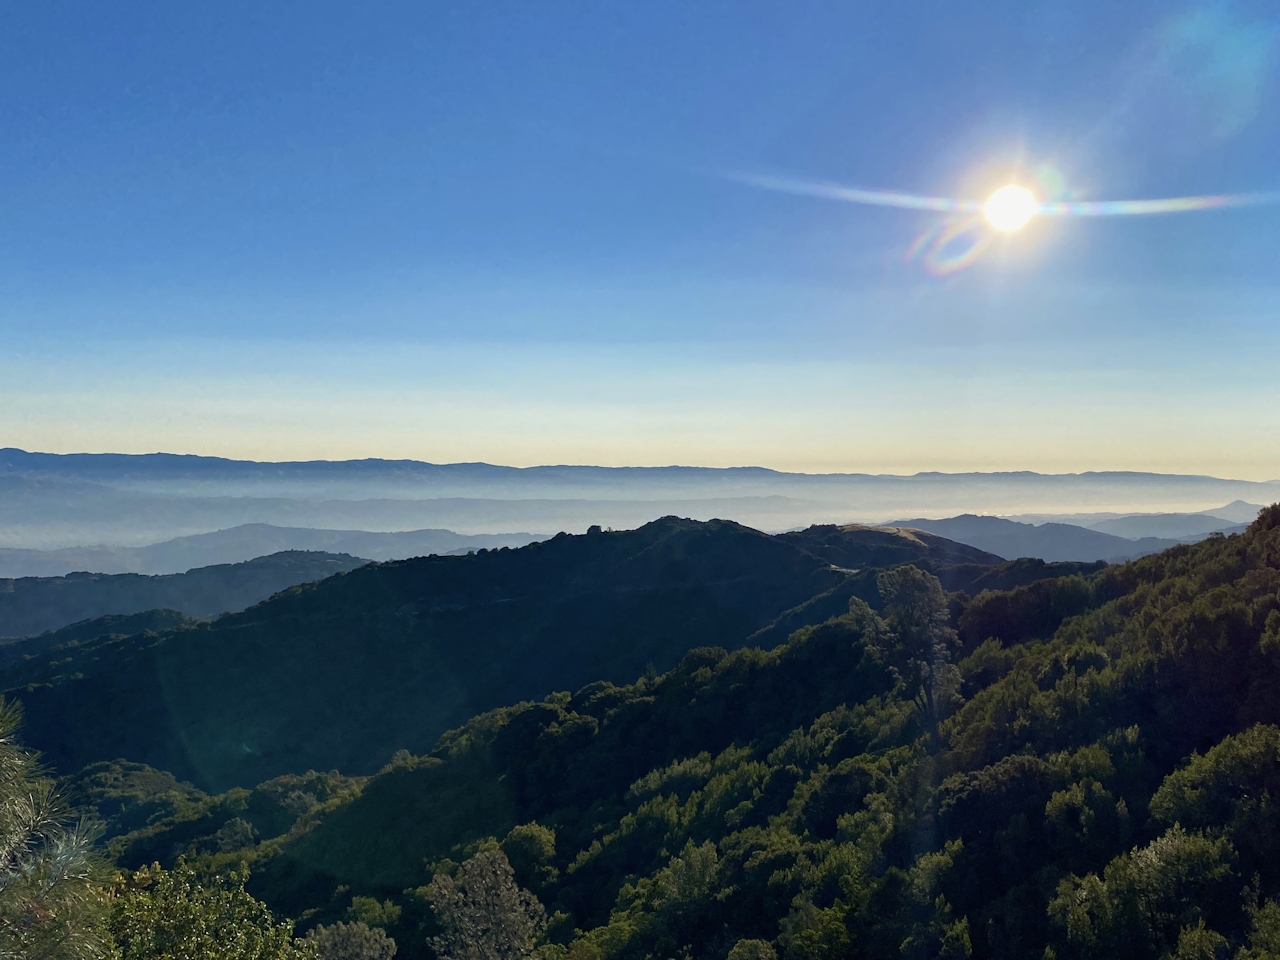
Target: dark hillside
(343, 672)
(32, 605)
(854, 546)
(113, 625)
(573, 762)
(864, 551)
(1022, 571)
(1105, 790)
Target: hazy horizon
(54, 502)
(73, 452)
(802, 469)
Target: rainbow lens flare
(950, 246)
(1142, 208)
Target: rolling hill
(343, 672)
(1047, 541)
(1169, 526)
(32, 605)
(1102, 787)
(245, 542)
(117, 625)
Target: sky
(518, 232)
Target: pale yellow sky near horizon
(646, 406)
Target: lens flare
(960, 240)
(1142, 208)
(953, 247)
(874, 198)
(1087, 208)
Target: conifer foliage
(51, 907)
(483, 914)
(351, 941)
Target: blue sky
(507, 232)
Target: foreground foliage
(351, 941)
(51, 905)
(1099, 786)
(341, 673)
(178, 915)
(1081, 767)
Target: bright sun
(1010, 208)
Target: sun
(1010, 208)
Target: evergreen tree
(351, 941)
(483, 914)
(920, 652)
(51, 907)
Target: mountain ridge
(17, 460)
(343, 672)
(1047, 541)
(53, 501)
(246, 542)
(33, 605)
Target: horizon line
(589, 466)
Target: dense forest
(865, 747)
(344, 672)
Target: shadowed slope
(32, 605)
(344, 672)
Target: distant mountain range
(1171, 526)
(1066, 541)
(50, 501)
(1178, 524)
(185, 475)
(49, 514)
(246, 542)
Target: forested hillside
(1098, 786)
(32, 605)
(97, 630)
(967, 758)
(343, 672)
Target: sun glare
(1010, 208)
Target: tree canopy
(1082, 767)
